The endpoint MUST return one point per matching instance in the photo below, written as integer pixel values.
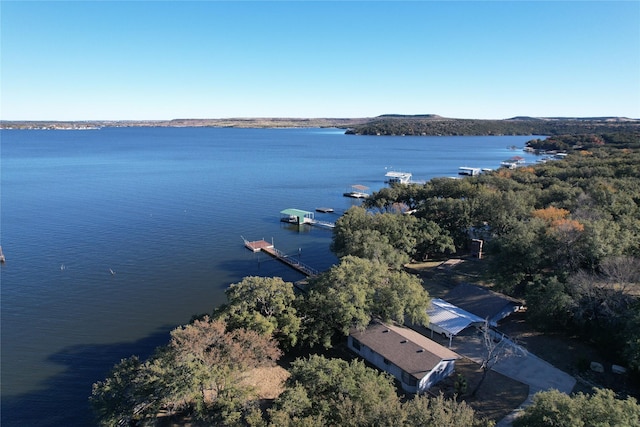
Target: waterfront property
(415, 360)
(164, 236)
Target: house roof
(412, 352)
(450, 318)
(480, 301)
(296, 212)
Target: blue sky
(83, 60)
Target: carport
(449, 320)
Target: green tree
(265, 305)
(326, 391)
(353, 292)
(440, 412)
(119, 399)
(548, 304)
(553, 408)
(432, 240)
(519, 255)
(389, 238)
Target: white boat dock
(357, 192)
(469, 171)
(398, 177)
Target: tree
(520, 255)
(389, 237)
(553, 408)
(199, 369)
(432, 240)
(337, 392)
(548, 304)
(494, 349)
(353, 292)
(265, 305)
(440, 412)
(383, 237)
(116, 400)
(323, 392)
(374, 246)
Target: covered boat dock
(296, 216)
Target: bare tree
(495, 347)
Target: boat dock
(357, 192)
(398, 177)
(299, 217)
(269, 248)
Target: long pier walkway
(269, 248)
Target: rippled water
(115, 236)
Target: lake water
(115, 236)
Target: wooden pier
(269, 248)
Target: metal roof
(296, 212)
(482, 302)
(450, 318)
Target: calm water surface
(115, 236)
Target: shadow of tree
(63, 400)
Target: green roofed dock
(299, 217)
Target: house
(482, 302)
(413, 359)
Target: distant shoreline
(228, 123)
(390, 124)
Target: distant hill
(258, 122)
(414, 116)
(436, 125)
(581, 119)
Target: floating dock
(324, 210)
(269, 248)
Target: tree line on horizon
(438, 126)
